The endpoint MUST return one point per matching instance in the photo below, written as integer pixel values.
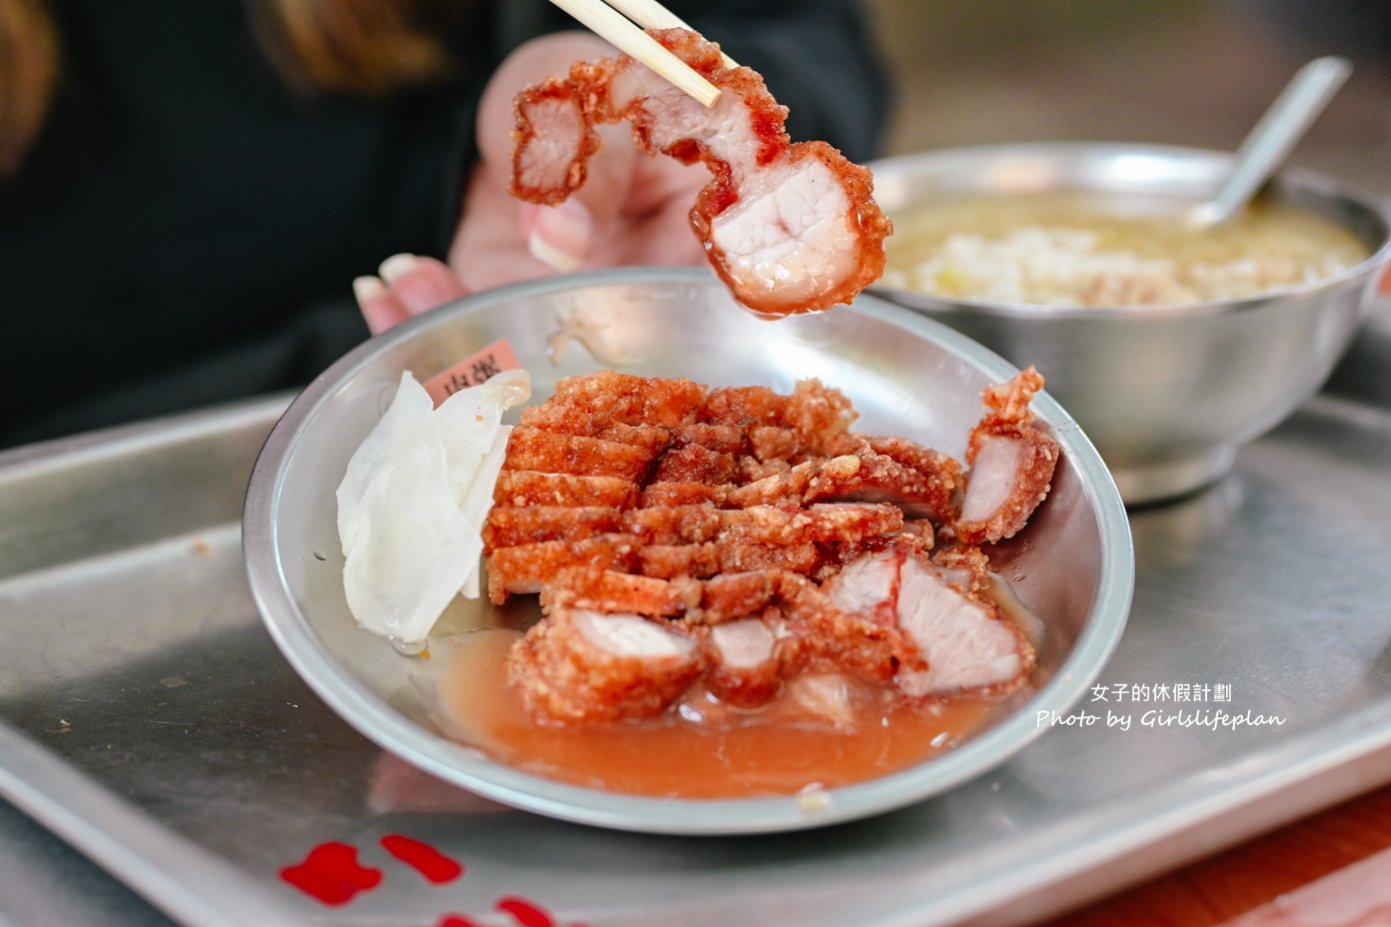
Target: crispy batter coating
(520, 488)
(869, 476)
(598, 400)
(814, 412)
(553, 452)
(525, 568)
(508, 526)
(695, 463)
(605, 590)
(660, 493)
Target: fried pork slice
(695, 463)
(729, 556)
(682, 524)
(967, 568)
(723, 439)
(737, 595)
(671, 560)
(785, 487)
(560, 140)
(960, 640)
(788, 485)
(832, 523)
(652, 438)
(825, 697)
(788, 227)
(964, 640)
(588, 403)
(831, 639)
(520, 488)
(747, 659)
(743, 406)
(928, 461)
(1012, 464)
(753, 470)
(531, 448)
(815, 412)
(586, 666)
(916, 538)
(771, 442)
(941, 473)
(522, 569)
(820, 412)
(508, 526)
(737, 556)
(869, 476)
(923, 530)
(669, 493)
(767, 626)
(605, 590)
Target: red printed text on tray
(332, 875)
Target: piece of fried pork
(789, 227)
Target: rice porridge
(1064, 249)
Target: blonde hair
(366, 48)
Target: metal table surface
(149, 720)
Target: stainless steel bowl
(1167, 393)
(1073, 566)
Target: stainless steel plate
(1073, 567)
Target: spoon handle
(1307, 93)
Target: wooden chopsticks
(649, 14)
(621, 22)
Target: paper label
(472, 370)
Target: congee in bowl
(1171, 345)
(1076, 249)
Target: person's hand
(632, 208)
(406, 285)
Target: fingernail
(396, 267)
(366, 289)
(560, 236)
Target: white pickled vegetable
(413, 500)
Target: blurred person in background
(187, 189)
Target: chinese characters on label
(472, 370)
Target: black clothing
(186, 228)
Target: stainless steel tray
(150, 722)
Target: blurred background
(1183, 72)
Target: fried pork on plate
(1012, 464)
(789, 227)
(581, 664)
(696, 573)
(962, 642)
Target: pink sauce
(709, 750)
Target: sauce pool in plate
(703, 749)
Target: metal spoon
(1263, 150)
